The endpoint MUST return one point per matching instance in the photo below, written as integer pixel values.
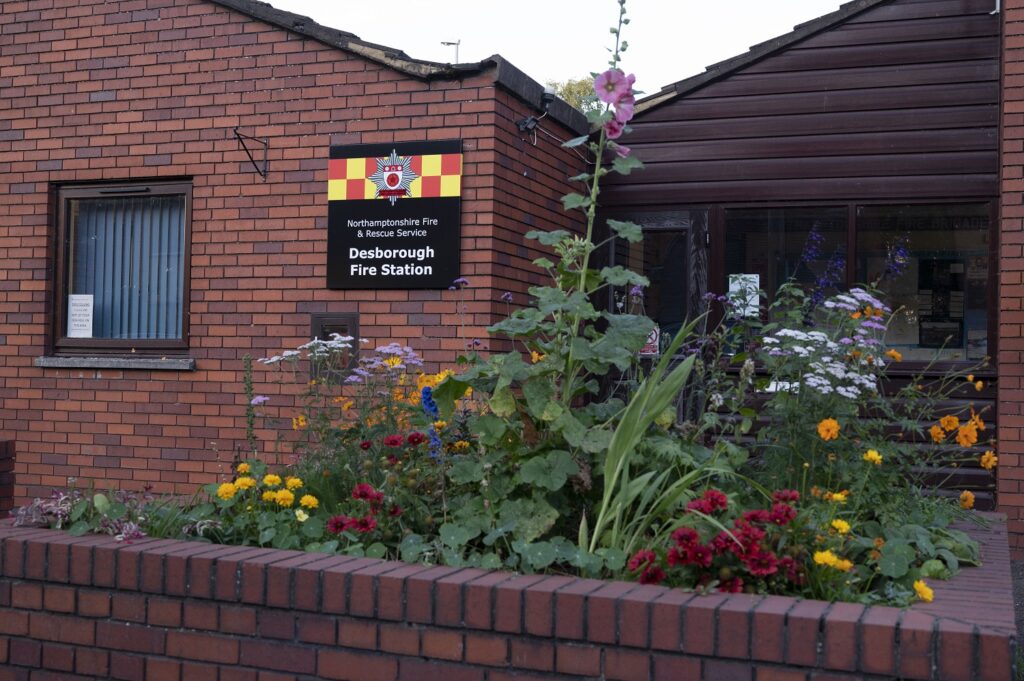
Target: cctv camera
(547, 98)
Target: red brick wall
(6, 478)
(144, 89)
(1011, 284)
(164, 609)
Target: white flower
(301, 515)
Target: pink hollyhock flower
(613, 129)
(622, 151)
(624, 108)
(612, 85)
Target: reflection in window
(932, 262)
(770, 246)
(662, 257)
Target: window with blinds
(123, 266)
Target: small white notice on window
(744, 293)
(80, 315)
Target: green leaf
(489, 429)
(576, 141)
(446, 395)
(532, 517)
(550, 471)
(620, 276)
(538, 555)
(490, 561)
(574, 200)
(630, 231)
(502, 403)
(614, 559)
(465, 471)
(313, 528)
(456, 536)
(538, 392)
(596, 440)
(78, 529)
(117, 510)
(79, 509)
(101, 503)
(551, 238)
(626, 165)
(571, 429)
(411, 548)
(376, 550)
(896, 558)
(543, 263)
(267, 535)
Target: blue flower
(435, 444)
(427, 400)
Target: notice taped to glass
(393, 215)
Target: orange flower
(989, 460)
(966, 499)
(949, 423)
(967, 435)
(976, 420)
(828, 429)
(937, 433)
(894, 355)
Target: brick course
(81, 624)
(97, 90)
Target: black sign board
(393, 215)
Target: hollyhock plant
(613, 85)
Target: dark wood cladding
(898, 102)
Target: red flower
(652, 574)
(365, 444)
(731, 586)
(339, 523)
(365, 524)
(786, 496)
(748, 534)
(792, 569)
(684, 536)
(393, 441)
(392, 459)
(641, 559)
(681, 555)
(782, 514)
(722, 543)
(395, 511)
(757, 517)
(761, 563)
(716, 500)
(701, 555)
(700, 506)
(416, 439)
(366, 492)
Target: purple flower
(622, 151)
(461, 281)
(871, 324)
(612, 85)
(258, 400)
(506, 297)
(637, 292)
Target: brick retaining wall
(6, 477)
(163, 609)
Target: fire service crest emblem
(393, 178)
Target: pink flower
(612, 85)
(641, 559)
(624, 108)
(786, 496)
(716, 499)
(761, 563)
(339, 524)
(622, 151)
(613, 129)
(685, 536)
(393, 441)
(782, 514)
(365, 524)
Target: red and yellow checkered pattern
(438, 175)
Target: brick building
(113, 107)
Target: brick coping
(967, 633)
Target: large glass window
(765, 247)
(932, 262)
(123, 267)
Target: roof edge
(506, 74)
(756, 53)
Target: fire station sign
(393, 215)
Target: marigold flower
(970, 378)
(301, 515)
(894, 355)
(269, 495)
(872, 456)
(923, 591)
(299, 422)
(978, 385)
(828, 429)
(271, 480)
(226, 491)
(967, 435)
(937, 433)
(242, 468)
(966, 499)
(460, 445)
(245, 482)
(837, 497)
(989, 460)
(292, 482)
(949, 423)
(825, 558)
(841, 526)
(309, 501)
(284, 498)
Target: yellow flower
(837, 497)
(923, 591)
(978, 385)
(843, 565)
(967, 435)
(949, 423)
(872, 456)
(825, 558)
(937, 433)
(989, 460)
(440, 425)
(284, 498)
(301, 515)
(309, 501)
(536, 356)
(299, 422)
(345, 403)
(226, 491)
(245, 482)
(970, 378)
(841, 526)
(242, 468)
(393, 362)
(976, 420)
(291, 482)
(828, 429)
(269, 495)
(966, 499)
(461, 445)
(894, 355)
(271, 480)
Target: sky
(669, 40)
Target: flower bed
(95, 607)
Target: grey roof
(725, 68)
(506, 74)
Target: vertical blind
(128, 253)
